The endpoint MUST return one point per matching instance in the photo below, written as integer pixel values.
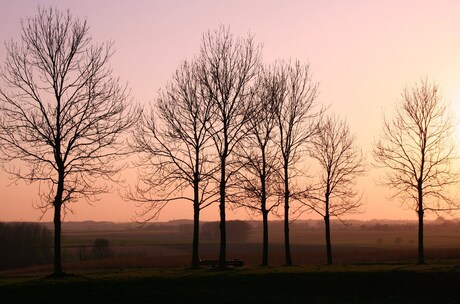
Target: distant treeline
(24, 244)
(241, 228)
(187, 225)
(237, 231)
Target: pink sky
(362, 53)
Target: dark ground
(365, 283)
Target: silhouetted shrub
(24, 244)
(101, 249)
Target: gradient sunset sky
(362, 53)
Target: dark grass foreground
(395, 283)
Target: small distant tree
(173, 144)
(417, 149)
(62, 113)
(102, 249)
(238, 231)
(340, 162)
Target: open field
(357, 283)
(168, 245)
(374, 263)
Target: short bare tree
(417, 149)
(173, 143)
(228, 66)
(62, 113)
(259, 177)
(340, 163)
(297, 118)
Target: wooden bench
(215, 263)
(235, 263)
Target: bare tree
(61, 113)
(174, 147)
(297, 118)
(417, 150)
(259, 177)
(228, 66)
(340, 163)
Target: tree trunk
(287, 245)
(265, 238)
(263, 203)
(223, 234)
(421, 255)
(57, 221)
(57, 240)
(328, 229)
(328, 239)
(196, 228)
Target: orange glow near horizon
(362, 53)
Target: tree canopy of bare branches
(228, 66)
(174, 146)
(297, 117)
(417, 150)
(340, 162)
(61, 112)
(259, 177)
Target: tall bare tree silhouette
(417, 149)
(174, 145)
(62, 113)
(297, 118)
(340, 162)
(228, 66)
(259, 178)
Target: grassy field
(168, 245)
(356, 283)
(169, 248)
(151, 266)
